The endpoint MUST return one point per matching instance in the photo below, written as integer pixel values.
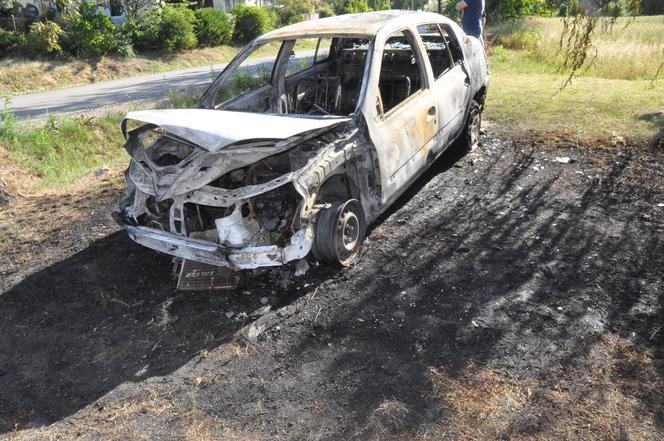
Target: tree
(652, 7)
(134, 9)
(580, 26)
(288, 10)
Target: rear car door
(451, 84)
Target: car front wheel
(340, 232)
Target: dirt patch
(508, 295)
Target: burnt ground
(505, 296)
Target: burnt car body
(305, 138)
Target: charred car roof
(364, 24)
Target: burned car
(304, 139)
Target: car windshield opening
(303, 76)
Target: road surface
(109, 93)
(94, 96)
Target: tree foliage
(89, 32)
(250, 22)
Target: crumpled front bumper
(214, 254)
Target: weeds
(63, 149)
(7, 120)
(178, 99)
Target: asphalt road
(93, 96)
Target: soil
(507, 295)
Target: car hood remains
(213, 130)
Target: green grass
(632, 49)
(616, 94)
(63, 149)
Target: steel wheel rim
(348, 234)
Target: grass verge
(19, 76)
(617, 93)
(62, 150)
(590, 109)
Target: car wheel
(471, 135)
(340, 232)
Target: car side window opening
(254, 72)
(401, 72)
(318, 76)
(323, 50)
(437, 48)
(302, 56)
(452, 43)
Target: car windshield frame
(286, 43)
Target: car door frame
(452, 89)
(386, 129)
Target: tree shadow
(520, 274)
(656, 119)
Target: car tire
(340, 233)
(470, 138)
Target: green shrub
(167, 29)
(43, 39)
(326, 11)
(295, 19)
(351, 7)
(124, 44)
(89, 32)
(8, 42)
(133, 31)
(213, 27)
(250, 22)
(176, 29)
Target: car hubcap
(348, 233)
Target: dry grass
(617, 396)
(155, 412)
(18, 76)
(628, 50)
(389, 417)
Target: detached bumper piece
(213, 254)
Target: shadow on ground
(109, 314)
(517, 264)
(509, 268)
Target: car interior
(324, 76)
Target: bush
(132, 30)
(295, 19)
(167, 29)
(9, 42)
(351, 7)
(176, 29)
(213, 27)
(89, 32)
(326, 11)
(124, 44)
(43, 39)
(250, 22)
